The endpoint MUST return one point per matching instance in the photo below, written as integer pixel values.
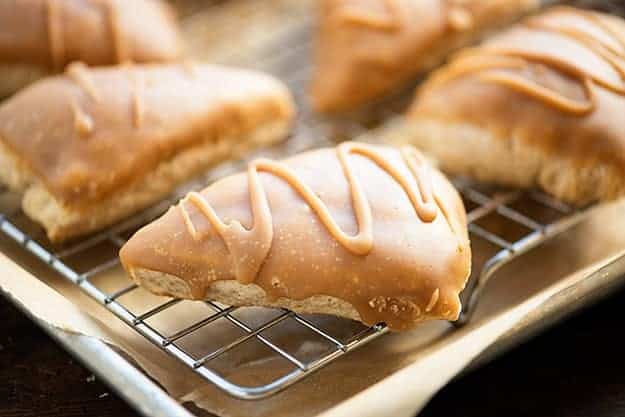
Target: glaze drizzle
(79, 73)
(458, 17)
(455, 12)
(250, 247)
(83, 122)
(497, 64)
(120, 54)
(138, 87)
(390, 20)
(55, 34)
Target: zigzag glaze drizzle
(250, 247)
(456, 14)
(486, 60)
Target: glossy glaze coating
(90, 132)
(53, 33)
(556, 81)
(366, 48)
(371, 225)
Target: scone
(541, 104)
(42, 36)
(92, 146)
(366, 232)
(367, 48)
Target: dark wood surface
(576, 369)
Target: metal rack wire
(503, 225)
(509, 221)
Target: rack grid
(491, 210)
(503, 224)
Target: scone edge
(231, 292)
(465, 149)
(62, 223)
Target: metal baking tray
(289, 61)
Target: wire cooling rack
(503, 224)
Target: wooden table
(576, 369)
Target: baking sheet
(397, 373)
(519, 289)
(104, 360)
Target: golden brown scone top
(366, 48)
(371, 225)
(89, 132)
(556, 80)
(52, 33)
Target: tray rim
(117, 372)
(148, 399)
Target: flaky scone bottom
(465, 149)
(234, 293)
(62, 222)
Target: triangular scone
(39, 36)
(366, 48)
(366, 232)
(94, 145)
(541, 104)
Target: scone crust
(52, 34)
(467, 150)
(63, 222)
(364, 49)
(411, 270)
(552, 100)
(106, 142)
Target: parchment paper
(435, 350)
(395, 374)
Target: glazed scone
(92, 146)
(42, 36)
(366, 232)
(367, 48)
(541, 104)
